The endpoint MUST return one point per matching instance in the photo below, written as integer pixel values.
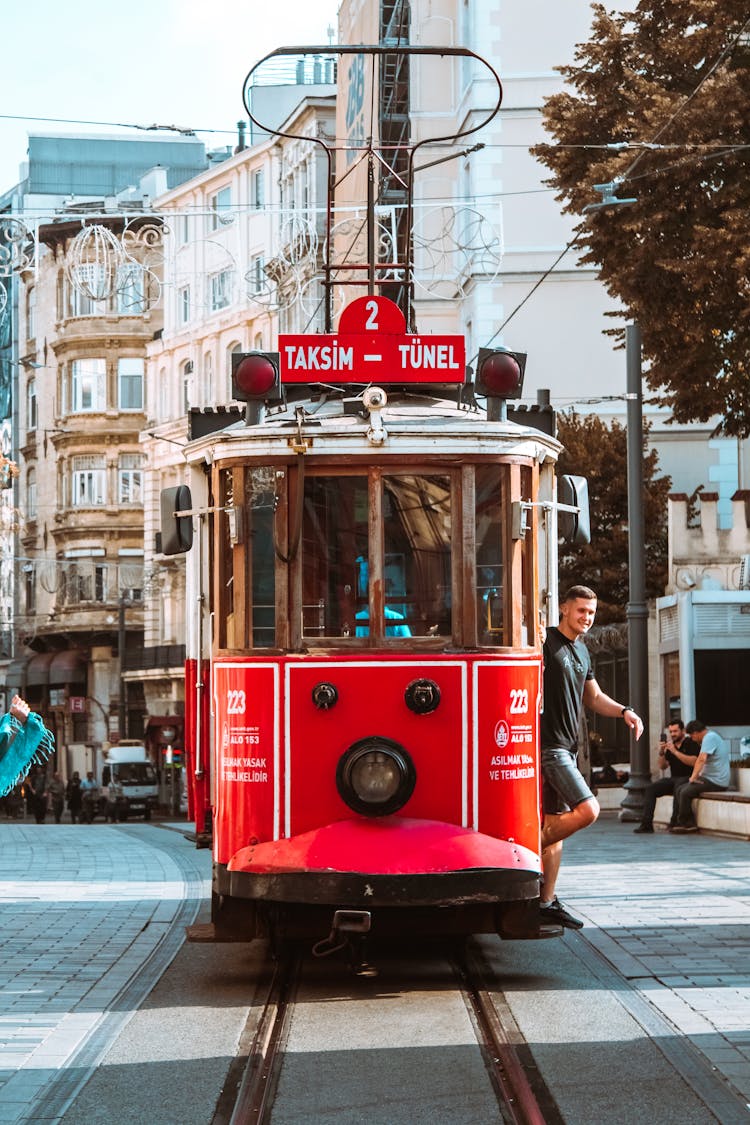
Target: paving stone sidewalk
(82, 909)
(672, 914)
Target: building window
(187, 371)
(31, 494)
(221, 288)
(257, 274)
(30, 312)
(183, 299)
(208, 378)
(84, 581)
(130, 384)
(30, 583)
(259, 190)
(220, 207)
(88, 481)
(131, 293)
(31, 405)
(721, 678)
(183, 229)
(130, 478)
(83, 305)
(89, 385)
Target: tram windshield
(375, 557)
(340, 580)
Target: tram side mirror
(176, 531)
(574, 527)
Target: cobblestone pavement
(83, 908)
(672, 914)
(91, 916)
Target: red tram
(374, 559)
(364, 681)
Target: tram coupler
(348, 930)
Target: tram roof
(414, 424)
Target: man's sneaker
(684, 828)
(556, 912)
(644, 828)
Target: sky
(169, 62)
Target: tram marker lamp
(500, 373)
(255, 378)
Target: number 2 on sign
(519, 701)
(235, 702)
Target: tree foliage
(673, 72)
(598, 451)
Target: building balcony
(155, 658)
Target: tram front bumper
(389, 861)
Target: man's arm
(699, 763)
(596, 700)
(688, 759)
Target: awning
(37, 670)
(15, 675)
(68, 667)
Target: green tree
(673, 73)
(598, 452)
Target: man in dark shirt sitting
(677, 754)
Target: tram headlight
(375, 776)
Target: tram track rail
(250, 1089)
(248, 1093)
(521, 1091)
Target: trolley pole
(637, 610)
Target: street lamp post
(637, 610)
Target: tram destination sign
(372, 346)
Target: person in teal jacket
(24, 741)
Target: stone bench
(725, 814)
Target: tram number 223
(236, 702)
(519, 701)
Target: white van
(131, 781)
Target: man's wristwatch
(628, 708)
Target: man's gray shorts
(563, 784)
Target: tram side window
(417, 564)
(489, 547)
(335, 553)
(259, 516)
(226, 617)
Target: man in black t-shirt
(569, 684)
(677, 754)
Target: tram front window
(335, 555)
(417, 565)
(413, 547)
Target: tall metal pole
(637, 610)
(122, 714)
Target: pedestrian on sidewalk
(677, 753)
(24, 740)
(710, 774)
(74, 797)
(56, 790)
(569, 684)
(38, 795)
